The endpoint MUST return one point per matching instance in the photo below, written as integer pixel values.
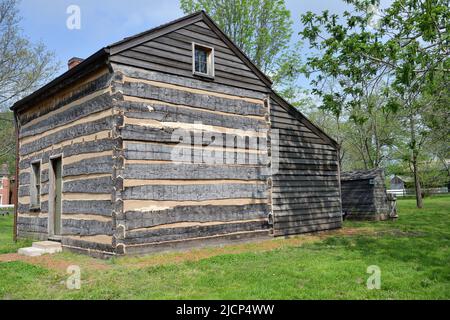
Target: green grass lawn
(412, 253)
(6, 243)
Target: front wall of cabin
(77, 125)
(210, 193)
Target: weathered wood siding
(209, 195)
(76, 124)
(305, 195)
(172, 54)
(363, 200)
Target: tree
(7, 140)
(260, 28)
(24, 66)
(403, 50)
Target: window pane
(201, 60)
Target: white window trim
(211, 70)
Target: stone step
(31, 252)
(48, 246)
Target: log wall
(209, 192)
(77, 125)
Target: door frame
(51, 198)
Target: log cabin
(169, 139)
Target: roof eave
(63, 80)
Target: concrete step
(48, 246)
(31, 252)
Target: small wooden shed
(364, 196)
(123, 153)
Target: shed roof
(361, 174)
(403, 178)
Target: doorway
(55, 204)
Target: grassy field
(412, 253)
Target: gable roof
(101, 58)
(136, 40)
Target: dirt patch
(60, 263)
(54, 262)
(261, 246)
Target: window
(35, 187)
(203, 60)
(1, 182)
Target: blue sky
(106, 21)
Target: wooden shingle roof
(361, 174)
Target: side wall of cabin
(75, 124)
(306, 187)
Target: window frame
(209, 63)
(35, 204)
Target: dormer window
(203, 60)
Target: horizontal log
(186, 98)
(76, 112)
(174, 113)
(86, 227)
(163, 152)
(99, 185)
(91, 243)
(89, 166)
(173, 171)
(169, 234)
(66, 134)
(167, 78)
(71, 150)
(96, 84)
(183, 136)
(195, 192)
(209, 213)
(93, 207)
(218, 240)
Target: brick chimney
(73, 62)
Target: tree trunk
(417, 187)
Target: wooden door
(55, 197)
